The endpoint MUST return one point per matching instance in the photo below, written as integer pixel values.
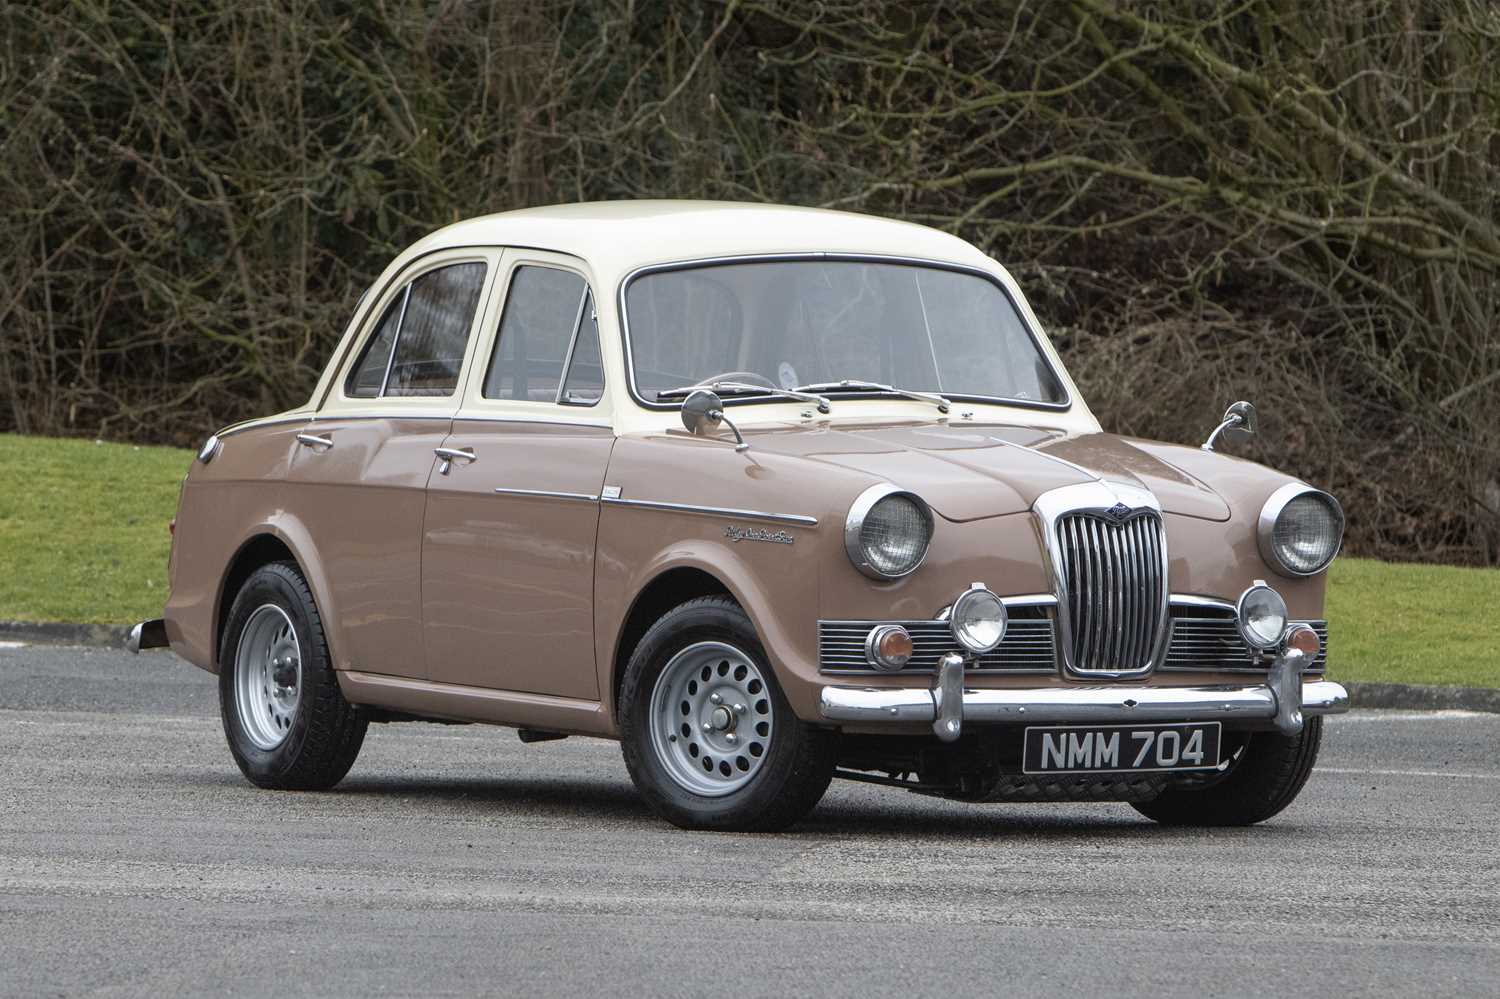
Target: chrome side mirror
(703, 411)
(1237, 426)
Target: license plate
(1075, 749)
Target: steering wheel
(740, 376)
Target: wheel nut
(739, 709)
(707, 727)
(730, 737)
(715, 699)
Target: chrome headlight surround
(1261, 602)
(858, 519)
(975, 607)
(1271, 516)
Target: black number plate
(1079, 749)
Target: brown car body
(513, 588)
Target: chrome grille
(1203, 640)
(1115, 578)
(1028, 646)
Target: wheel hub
(268, 676)
(711, 721)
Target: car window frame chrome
(508, 274)
(1034, 334)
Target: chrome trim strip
(1265, 527)
(1082, 705)
(1191, 600)
(264, 421)
(548, 493)
(875, 258)
(715, 511)
(1030, 600)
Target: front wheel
(708, 737)
(1266, 780)
(286, 720)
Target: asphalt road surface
(456, 860)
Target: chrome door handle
(448, 455)
(313, 440)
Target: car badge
(1118, 512)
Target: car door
(358, 479)
(508, 546)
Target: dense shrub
(1292, 202)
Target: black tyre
(1265, 780)
(284, 716)
(708, 737)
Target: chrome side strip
(549, 494)
(1190, 600)
(716, 511)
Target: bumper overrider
(1283, 702)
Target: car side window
(418, 348)
(548, 346)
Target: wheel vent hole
(708, 764)
(687, 730)
(762, 729)
(692, 686)
(756, 749)
(742, 763)
(740, 672)
(754, 687)
(706, 674)
(762, 707)
(693, 749)
(687, 708)
(723, 669)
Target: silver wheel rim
(711, 720)
(268, 676)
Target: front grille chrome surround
(1106, 549)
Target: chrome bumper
(147, 635)
(1282, 703)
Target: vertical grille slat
(1115, 589)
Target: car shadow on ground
(894, 815)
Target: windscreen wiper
(747, 388)
(859, 385)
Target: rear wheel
(286, 721)
(708, 738)
(1267, 778)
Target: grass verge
(83, 529)
(83, 538)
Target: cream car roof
(613, 238)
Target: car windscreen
(787, 323)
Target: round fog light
(1304, 639)
(1261, 614)
(978, 621)
(888, 647)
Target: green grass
(1414, 623)
(83, 538)
(83, 529)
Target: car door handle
(313, 440)
(448, 455)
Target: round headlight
(978, 620)
(1261, 614)
(887, 532)
(1300, 530)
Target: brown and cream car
(770, 495)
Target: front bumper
(1280, 703)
